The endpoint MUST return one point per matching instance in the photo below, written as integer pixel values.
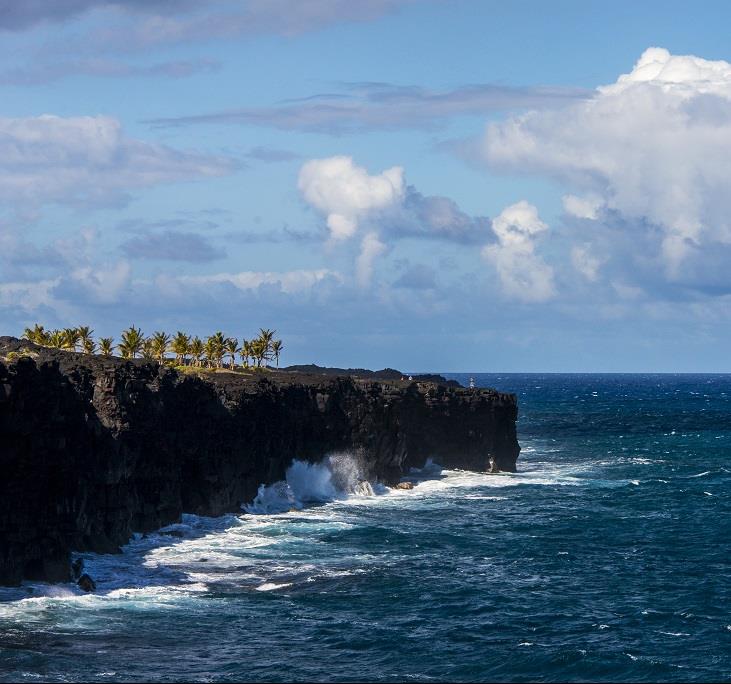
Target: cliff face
(92, 449)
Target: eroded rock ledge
(93, 449)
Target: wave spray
(338, 476)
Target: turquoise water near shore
(606, 558)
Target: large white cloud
(345, 192)
(377, 209)
(523, 274)
(655, 147)
(87, 160)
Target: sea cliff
(94, 449)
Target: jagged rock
(94, 449)
(404, 485)
(77, 568)
(86, 583)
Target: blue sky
(464, 186)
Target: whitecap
(271, 586)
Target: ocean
(607, 557)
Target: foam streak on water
(606, 558)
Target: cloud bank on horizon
(337, 211)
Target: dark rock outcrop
(86, 583)
(94, 449)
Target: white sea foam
(284, 545)
(271, 586)
(337, 476)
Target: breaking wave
(338, 476)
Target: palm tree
(245, 352)
(87, 343)
(132, 342)
(266, 336)
(277, 347)
(159, 345)
(148, 352)
(180, 346)
(259, 351)
(55, 339)
(231, 347)
(210, 352)
(70, 337)
(215, 348)
(106, 346)
(196, 350)
(36, 334)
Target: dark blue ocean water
(607, 558)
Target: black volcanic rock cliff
(93, 449)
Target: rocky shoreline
(95, 449)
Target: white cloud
(654, 148)
(289, 281)
(582, 207)
(370, 249)
(104, 283)
(27, 296)
(345, 192)
(87, 160)
(524, 275)
(380, 209)
(682, 74)
(585, 262)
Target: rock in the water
(86, 583)
(77, 568)
(404, 485)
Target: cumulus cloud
(371, 248)
(581, 207)
(653, 149)
(348, 196)
(379, 209)
(435, 217)
(523, 274)
(346, 192)
(88, 160)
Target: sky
(462, 185)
